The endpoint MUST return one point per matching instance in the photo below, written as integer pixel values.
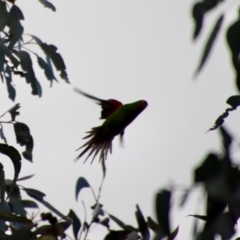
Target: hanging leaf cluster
(16, 56)
(199, 10)
(219, 179)
(13, 213)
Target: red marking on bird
(142, 104)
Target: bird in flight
(117, 117)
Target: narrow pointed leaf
(162, 210)
(2, 186)
(198, 16)
(173, 234)
(37, 39)
(210, 43)
(152, 225)
(11, 90)
(47, 70)
(76, 223)
(202, 217)
(142, 225)
(34, 193)
(226, 140)
(26, 177)
(53, 209)
(117, 221)
(81, 183)
(51, 51)
(29, 204)
(184, 197)
(2, 136)
(2, 59)
(47, 4)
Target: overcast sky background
(127, 50)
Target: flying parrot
(117, 117)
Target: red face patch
(142, 104)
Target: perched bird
(118, 117)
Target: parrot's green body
(101, 137)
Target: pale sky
(127, 50)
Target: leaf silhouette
(162, 204)
(142, 225)
(184, 197)
(47, 69)
(26, 64)
(81, 183)
(26, 177)
(2, 58)
(153, 225)
(173, 234)
(11, 90)
(210, 42)
(2, 136)
(105, 222)
(15, 157)
(14, 111)
(38, 195)
(3, 15)
(202, 217)
(47, 4)
(24, 138)
(117, 221)
(29, 204)
(51, 51)
(8, 54)
(52, 208)
(15, 26)
(234, 102)
(226, 141)
(198, 15)
(209, 168)
(34, 193)
(52, 54)
(233, 38)
(76, 223)
(210, 4)
(2, 186)
(16, 13)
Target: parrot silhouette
(117, 117)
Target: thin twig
(97, 202)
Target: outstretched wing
(108, 106)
